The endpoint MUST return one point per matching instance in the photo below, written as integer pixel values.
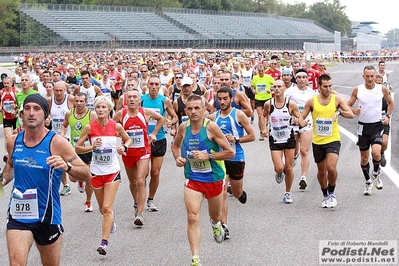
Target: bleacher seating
(172, 25)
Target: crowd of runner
(207, 103)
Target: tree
(215, 5)
(9, 23)
(331, 15)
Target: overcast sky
(385, 12)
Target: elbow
(251, 137)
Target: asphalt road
(264, 231)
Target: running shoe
(332, 201)
(302, 183)
(102, 248)
(376, 176)
(195, 261)
(229, 191)
(295, 159)
(226, 231)
(66, 190)
(383, 160)
(88, 207)
(252, 119)
(325, 203)
(139, 220)
(81, 186)
(279, 177)
(113, 227)
(369, 187)
(218, 232)
(243, 197)
(151, 206)
(5, 158)
(287, 198)
(261, 138)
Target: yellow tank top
(325, 130)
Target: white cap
(186, 81)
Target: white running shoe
(376, 176)
(295, 159)
(332, 200)
(325, 203)
(88, 207)
(151, 206)
(287, 198)
(368, 190)
(81, 186)
(218, 232)
(302, 183)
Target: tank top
(104, 159)
(137, 129)
(181, 114)
(325, 130)
(91, 95)
(247, 77)
(9, 102)
(105, 88)
(77, 125)
(229, 125)
(38, 182)
(201, 170)
(41, 89)
(57, 114)
(280, 129)
(157, 105)
(198, 91)
(175, 93)
(370, 101)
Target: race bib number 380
(24, 205)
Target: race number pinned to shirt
(152, 121)
(281, 132)
(24, 205)
(324, 126)
(103, 156)
(261, 88)
(199, 166)
(137, 136)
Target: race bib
(57, 124)
(261, 88)
(383, 114)
(90, 106)
(324, 126)
(300, 108)
(281, 132)
(103, 156)
(152, 121)
(24, 205)
(137, 137)
(8, 106)
(199, 166)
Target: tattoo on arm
(73, 159)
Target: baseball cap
(3, 75)
(286, 71)
(186, 81)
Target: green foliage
(215, 5)
(9, 23)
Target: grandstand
(80, 25)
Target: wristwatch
(237, 139)
(389, 116)
(124, 146)
(210, 156)
(69, 167)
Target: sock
(366, 171)
(376, 165)
(150, 199)
(103, 241)
(325, 192)
(331, 189)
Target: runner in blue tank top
(201, 148)
(39, 157)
